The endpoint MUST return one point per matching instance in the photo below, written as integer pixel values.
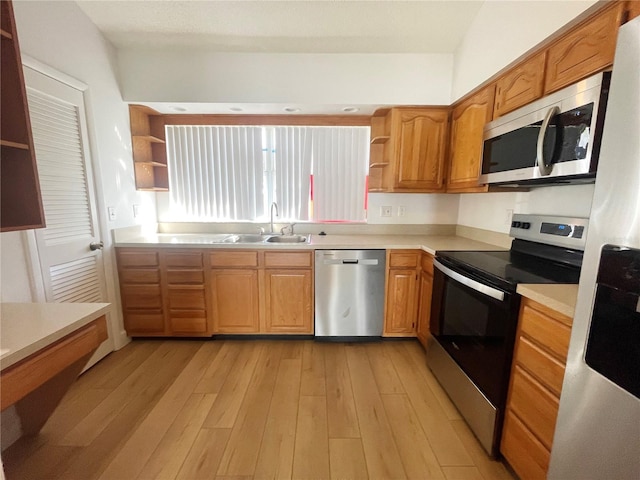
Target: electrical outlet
(136, 211)
(112, 213)
(402, 210)
(385, 211)
(508, 217)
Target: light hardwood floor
(255, 409)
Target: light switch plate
(111, 211)
(385, 211)
(136, 211)
(402, 211)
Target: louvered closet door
(71, 271)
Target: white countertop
(559, 297)
(428, 243)
(26, 328)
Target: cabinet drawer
(287, 259)
(143, 322)
(192, 299)
(188, 277)
(404, 259)
(141, 296)
(140, 258)
(139, 275)
(188, 322)
(545, 330)
(528, 457)
(183, 259)
(234, 259)
(535, 405)
(544, 367)
(427, 263)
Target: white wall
(59, 35)
(503, 31)
(200, 76)
(440, 209)
(492, 211)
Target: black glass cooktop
(507, 269)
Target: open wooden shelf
(153, 164)
(378, 165)
(149, 151)
(5, 34)
(7, 143)
(148, 138)
(380, 139)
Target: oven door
(475, 323)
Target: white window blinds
(216, 173)
(234, 173)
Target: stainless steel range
(475, 307)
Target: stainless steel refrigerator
(598, 429)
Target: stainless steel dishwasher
(349, 287)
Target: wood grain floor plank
(489, 468)
(293, 350)
(225, 409)
(49, 461)
(444, 441)
(205, 454)
(347, 459)
(342, 418)
(275, 460)
(380, 450)
(243, 446)
(417, 456)
(313, 377)
(93, 424)
(462, 473)
(168, 457)
(101, 451)
(420, 359)
(140, 446)
(383, 371)
(311, 456)
(216, 373)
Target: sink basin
(246, 238)
(287, 239)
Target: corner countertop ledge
(561, 298)
(26, 328)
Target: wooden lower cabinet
(426, 290)
(288, 301)
(235, 300)
(540, 355)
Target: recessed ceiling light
(178, 109)
(236, 109)
(350, 109)
(291, 109)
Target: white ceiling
(294, 26)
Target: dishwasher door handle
(350, 261)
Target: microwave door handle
(544, 167)
(477, 286)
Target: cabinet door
(400, 318)
(235, 301)
(467, 124)
(585, 50)
(288, 301)
(520, 86)
(424, 312)
(421, 137)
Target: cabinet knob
(96, 246)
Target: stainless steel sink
(246, 238)
(287, 239)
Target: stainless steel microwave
(553, 140)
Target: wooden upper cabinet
(148, 145)
(467, 124)
(408, 149)
(633, 9)
(20, 197)
(522, 85)
(585, 50)
(420, 152)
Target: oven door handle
(477, 286)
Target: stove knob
(515, 224)
(526, 225)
